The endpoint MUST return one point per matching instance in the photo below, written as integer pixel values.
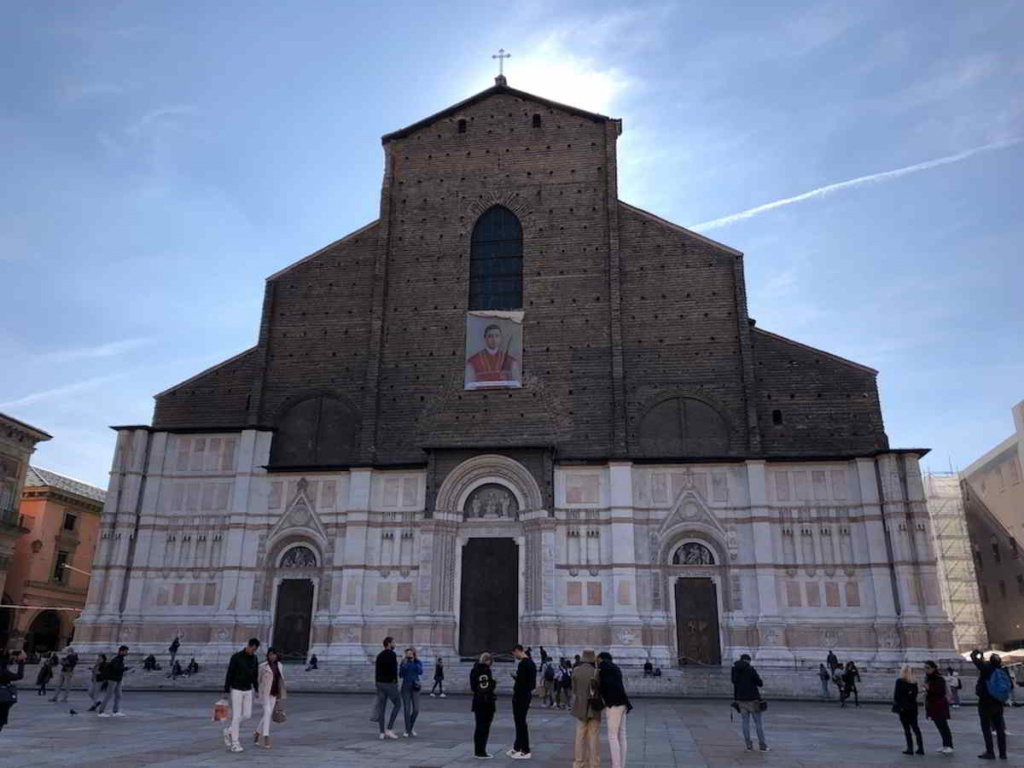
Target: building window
(1002, 589)
(995, 552)
(536, 121)
(1014, 552)
(58, 567)
(978, 561)
(776, 416)
(69, 521)
(462, 126)
(496, 261)
(1020, 583)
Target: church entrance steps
(691, 682)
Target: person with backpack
(746, 686)
(99, 682)
(993, 691)
(485, 703)
(558, 677)
(824, 677)
(936, 704)
(565, 683)
(548, 675)
(8, 693)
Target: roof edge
(680, 228)
(36, 432)
(493, 90)
(327, 247)
(211, 369)
(837, 358)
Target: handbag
(8, 695)
(417, 687)
(279, 715)
(221, 710)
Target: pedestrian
(558, 674)
(438, 678)
(192, 667)
(746, 692)
(824, 677)
(616, 706)
(851, 676)
(44, 675)
(544, 657)
(312, 663)
(522, 692)
(386, 679)
(271, 692)
(8, 693)
(832, 661)
(993, 690)
(576, 661)
(565, 684)
(176, 671)
(67, 673)
(485, 702)
(904, 703)
(936, 704)
(953, 685)
(114, 675)
(149, 664)
(98, 681)
(241, 683)
(837, 680)
(648, 668)
(547, 675)
(409, 672)
(587, 749)
(173, 650)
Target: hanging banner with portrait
(494, 350)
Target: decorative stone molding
(489, 468)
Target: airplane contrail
(874, 177)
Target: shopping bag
(221, 710)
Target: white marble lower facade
(805, 556)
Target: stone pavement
(174, 729)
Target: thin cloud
(110, 349)
(157, 116)
(59, 393)
(870, 179)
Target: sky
(161, 159)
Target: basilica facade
(515, 408)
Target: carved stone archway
(489, 469)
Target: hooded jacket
(745, 682)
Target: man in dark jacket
(522, 692)
(990, 709)
(241, 683)
(114, 674)
(67, 674)
(386, 678)
(482, 684)
(617, 706)
(746, 685)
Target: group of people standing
(993, 690)
(844, 677)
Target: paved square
(174, 729)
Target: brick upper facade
(622, 310)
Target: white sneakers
(227, 738)
(119, 714)
(237, 748)
(519, 755)
(444, 695)
(391, 734)
(103, 714)
(946, 751)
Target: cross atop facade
(501, 56)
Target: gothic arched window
(317, 431)
(496, 261)
(298, 557)
(683, 426)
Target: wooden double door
(697, 632)
(489, 605)
(293, 618)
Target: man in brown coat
(588, 722)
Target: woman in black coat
(7, 677)
(481, 682)
(905, 705)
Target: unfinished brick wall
(621, 309)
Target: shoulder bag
(594, 701)
(279, 715)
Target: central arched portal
(489, 606)
(697, 630)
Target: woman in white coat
(272, 690)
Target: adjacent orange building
(62, 518)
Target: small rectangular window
(1014, 552)
(58, 567)
(69, 521)
(1020, 583)
(776, 416)
(462, 126)
(995, 552)
(536, 121)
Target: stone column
(625, 624)
(347, 625)
(771, 625)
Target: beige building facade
(994, 498)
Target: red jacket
(936, 705)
